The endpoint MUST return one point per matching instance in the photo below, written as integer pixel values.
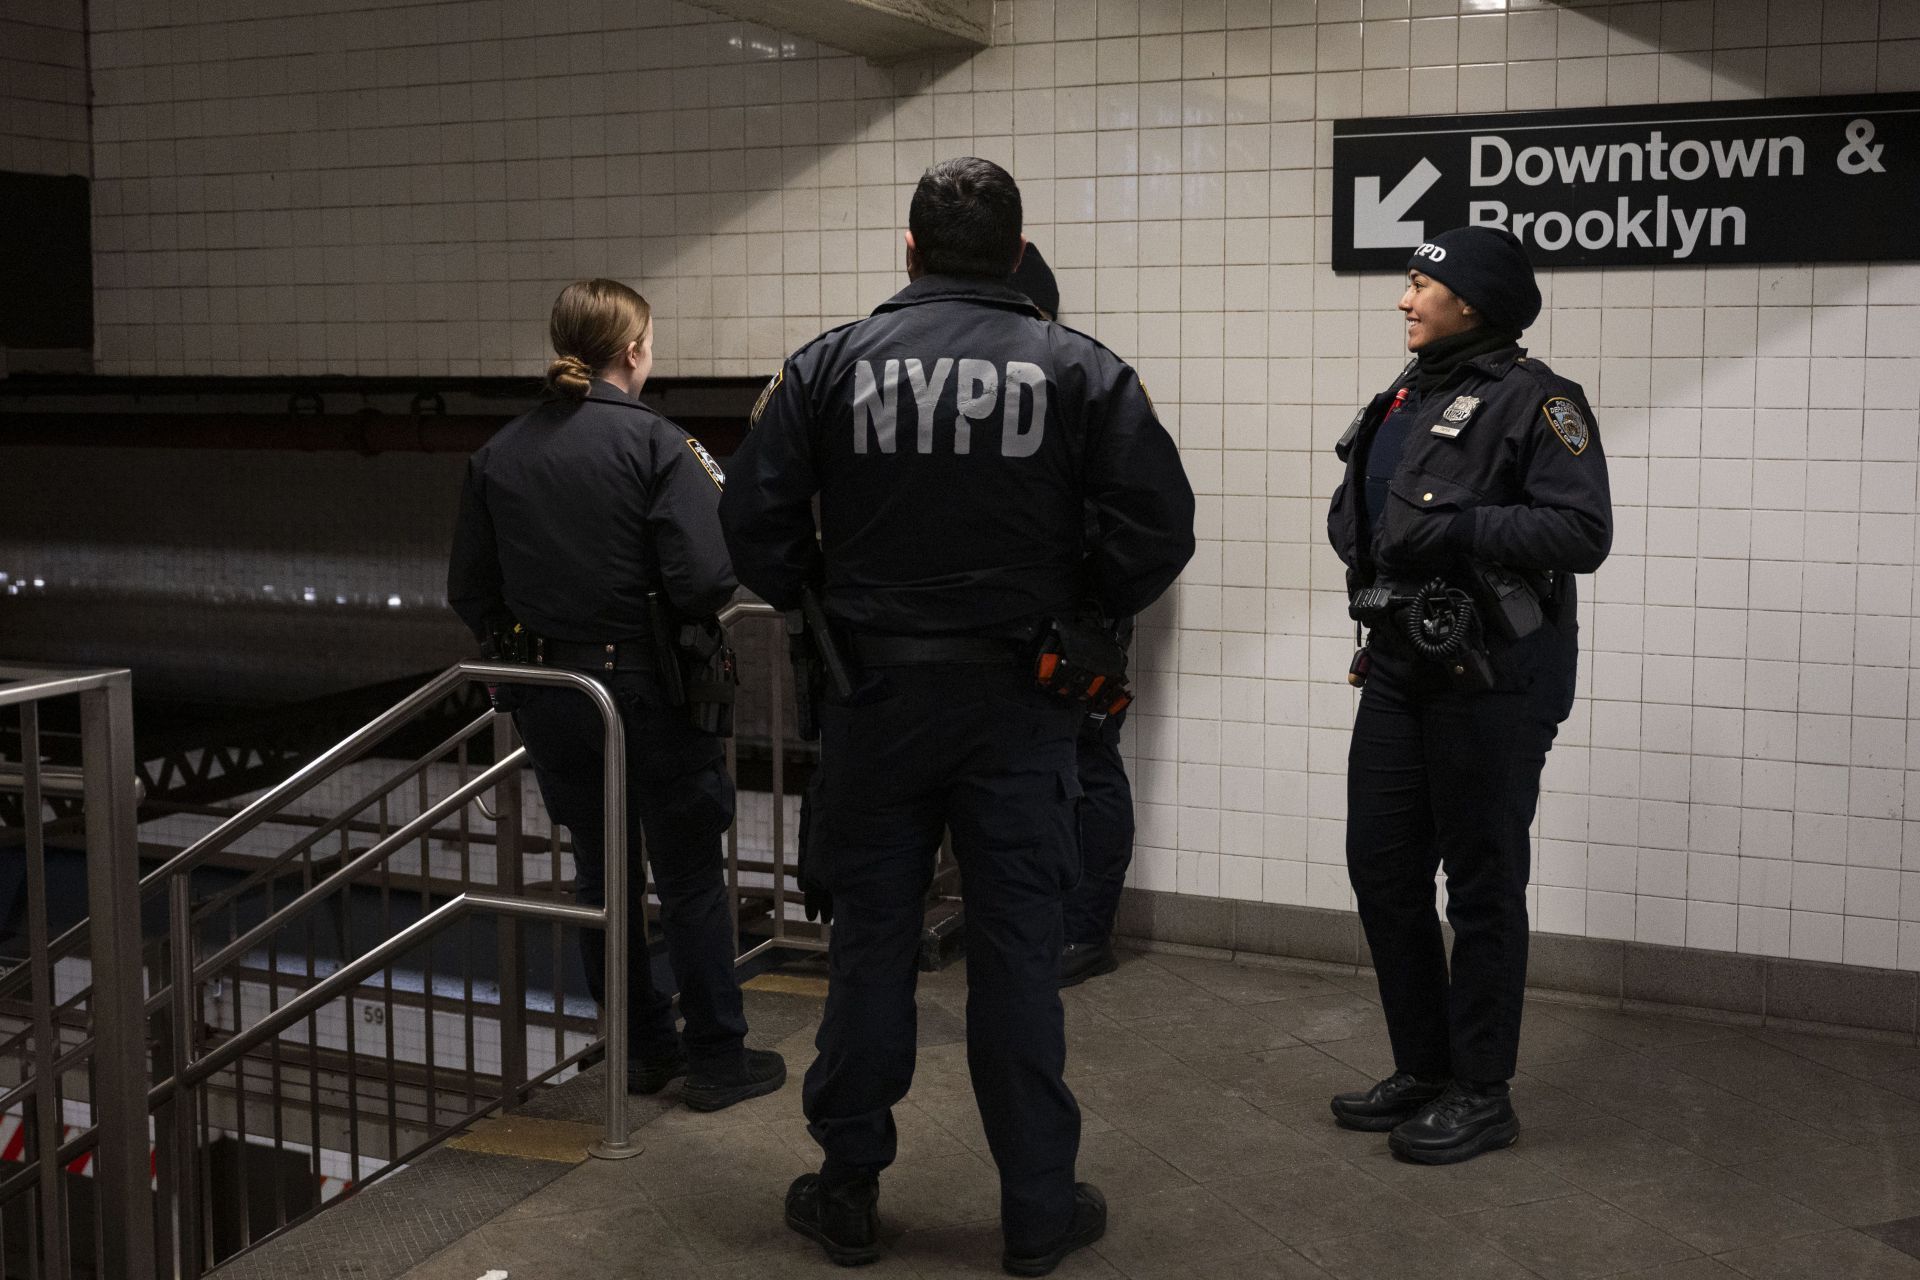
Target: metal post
(44, 1122)
(509, 880)
(121, 1179)
(185, 1212)
(617, 1144)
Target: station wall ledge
(1744, 988)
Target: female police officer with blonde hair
(574, 514)
(1475, 489)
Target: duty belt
(873, 650)
(615, 655)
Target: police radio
(1078, 660)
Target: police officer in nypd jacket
(955, 440)
(573, 516)
(1475, 490)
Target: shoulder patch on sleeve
(1564, 416)
(760, 405)
(706, 461)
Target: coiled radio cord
(1439, 621)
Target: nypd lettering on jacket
(1502, 466)
(975, 391)
(976, 467)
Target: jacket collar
(1497, 363)
(982, 289)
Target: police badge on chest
(1454, 420)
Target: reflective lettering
(926, 394)
(1015, 443)
(978, 392)
(876, 405)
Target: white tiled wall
(43, 86)
(311, 186)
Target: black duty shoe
(1089, 1224)
(1082, 960)
(762, 1072)
(844, 1221)
(1459, 1125)
(652, 1074)
(1393, 1101)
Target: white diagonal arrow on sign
(1377, 220)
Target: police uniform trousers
(1438, 778)
(1106, 830)
(680, 799)
(978, 751)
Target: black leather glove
(816, 898)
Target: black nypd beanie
(1488, 268)
(1034, 278)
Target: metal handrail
(117, 1047)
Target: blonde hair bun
(570, 376)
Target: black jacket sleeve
(1140, 502)
(1567, 522)
(683, 515)
(473, 571)
(767, 509)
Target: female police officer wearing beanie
(573, 514)
(1478, 457)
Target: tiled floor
(1652, 1147)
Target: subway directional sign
(1770, 180)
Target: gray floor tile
(1604, 1154)
(1717, 1210)
(1852, 1186)
(1575, 1238)
(590, 1244)
(1281, 1264)
(1639, 1030)
(1836, 1255)
(971, 1251)
(1214, 1146)
(1493, 1181)
(1691, 1269)
(1866, 1059)
(1322, 1200)
(1187, 1226)
(1096, 1044)
(1902, 1234)
(1546, 1037)
(1140, 989)
(929, 1194)
(1208, 1032)
(1246, 983)
(1316, 1018)
(1402, 1253)
(729, 1223)
(1121, 1167)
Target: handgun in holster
(1078, 660)
(711, 677)
(818, 666)
(696, 668)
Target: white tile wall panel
(358, 186)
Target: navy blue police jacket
(978, 468)
(577, 509)
(1502, 465)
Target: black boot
(1393, 1101)
(843, 1220)
(653, 1072)
(759, 1072)
(1089, 1224)
(1461, 1124)
(1082, 960)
